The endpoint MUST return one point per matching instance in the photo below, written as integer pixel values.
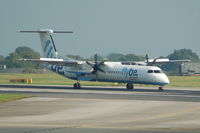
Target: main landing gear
(129, 86)
(77, 85)
(160, 88)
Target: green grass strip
(55, 79)
(11, 97)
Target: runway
(100, 109)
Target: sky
(156, 27)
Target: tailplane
(47, 43)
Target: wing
(154, 61)
(166, 60)
(55, 61)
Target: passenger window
(156, 71)
(150, 71)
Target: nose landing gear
(160, 88)
(129, 86)
(77, 85)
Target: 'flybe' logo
(129, 73)
(48, 49)
(58, 69)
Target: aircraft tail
(47, 43)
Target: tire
(129, 86)
(160, 89)
(77, 86)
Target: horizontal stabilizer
(50, 31)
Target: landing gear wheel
(129, 86)
(160, 88)
(77, 86)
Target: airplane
(104, 71)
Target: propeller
(150, 63)
(96, 66)
(147, 59)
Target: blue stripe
(133, 82)
(78, 73)
(46, 45)
(51, 55)
(50, 50)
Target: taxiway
(100, 109)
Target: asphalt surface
(60, 109)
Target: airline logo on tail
(48, 49)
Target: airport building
(190, 69)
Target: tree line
(181, 54)
(12, 60)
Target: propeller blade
(89, 63)
(101, 70)
(147, 59)
(97, 76)
(150, 63)
(101, 63)
(154, 61)
(95, 58)
(96, 66)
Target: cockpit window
(154, 71)
(150, 71)
(157, 71)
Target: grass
(44, 79)
(11, 97)
(185, 81)
(55, 79)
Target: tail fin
(47, 43)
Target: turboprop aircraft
(122, 72)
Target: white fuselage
(115, 72)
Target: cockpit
(154, 71)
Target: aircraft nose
(165, 79)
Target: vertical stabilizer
(47, 43)
(48, 46)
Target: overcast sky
(156, 27)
